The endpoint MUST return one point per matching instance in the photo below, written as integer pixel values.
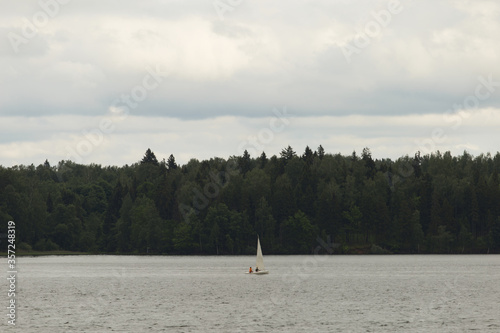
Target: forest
(436, 203)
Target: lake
(397, 293)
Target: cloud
(260, 55)
(123, 140)
(88, 54)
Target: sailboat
(260, 261)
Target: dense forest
(437, 203)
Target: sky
(102, 81)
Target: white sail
(260, 260)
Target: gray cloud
(89, 54)
(82, 139)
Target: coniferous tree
(434, 203)
(171, 165)
(495, 235)
(308, 155)
(124, 225)
(244, 162)
(366, 156)
(149, 157)
(263, 160)
(321, 152)
(287, 154)
(108, 238)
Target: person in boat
(256, 269)
(250, 270)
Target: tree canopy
(436, 203)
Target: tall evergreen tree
(171, 165)
(308, 155)
(321, 152)
(108, 239)
(244, 162)
(287, 154)
(263, 160)
(366, 156)
(149, 157)
(434, 203)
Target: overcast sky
(102, 81)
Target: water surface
(301, 294)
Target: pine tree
(171, 163)
(308, 155)
(244, 162)
(287, 153)
(149, 157)
(263, 160)
(321, 152)
(366, 156)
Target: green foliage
(495, 235)
(288, 153)
(437, 203)
(375, 249)
(171, 163)
(440, 243)
(298, 234)
(24, 247)
(45, 245)
(146, 226)
(149, 157)
(184, 239)
(124, 225)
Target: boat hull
(260, 272)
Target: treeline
(437, 203)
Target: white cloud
(84, 140)
(262, 54)
(224, 73)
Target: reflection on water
(301, 294)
